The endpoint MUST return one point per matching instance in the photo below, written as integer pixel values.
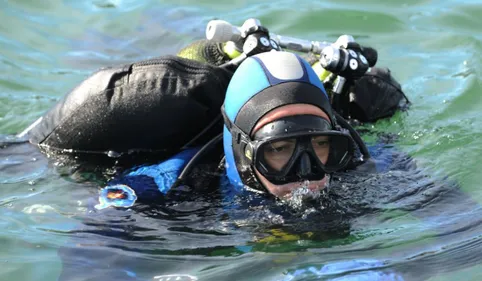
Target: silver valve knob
(222, 31)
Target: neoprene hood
(260, 84)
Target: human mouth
(313, 186)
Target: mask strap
(354, 134)
(238, 134)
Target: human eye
(321, 141)
(280, 146)
(277, 147)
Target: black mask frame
(252, 155)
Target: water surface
(423, 224)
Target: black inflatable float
(154, 105)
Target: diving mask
(298, 148)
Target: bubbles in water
(307, 212)
(302, 194)
(179, 277)
(303, 197)
(39, 209)
(113, 154)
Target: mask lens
(339, 153)
(277, 153)
(332, 150)
(321, 147)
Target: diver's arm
(215, 53)
(207, 52)
(148, 183)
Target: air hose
(354, 134)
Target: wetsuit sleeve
(144, 183)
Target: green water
(433, 48)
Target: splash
(306, 199)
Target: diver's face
(279, 153)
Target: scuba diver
(280, 137)
(169, 108)
(279, 132)
(273, 115)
